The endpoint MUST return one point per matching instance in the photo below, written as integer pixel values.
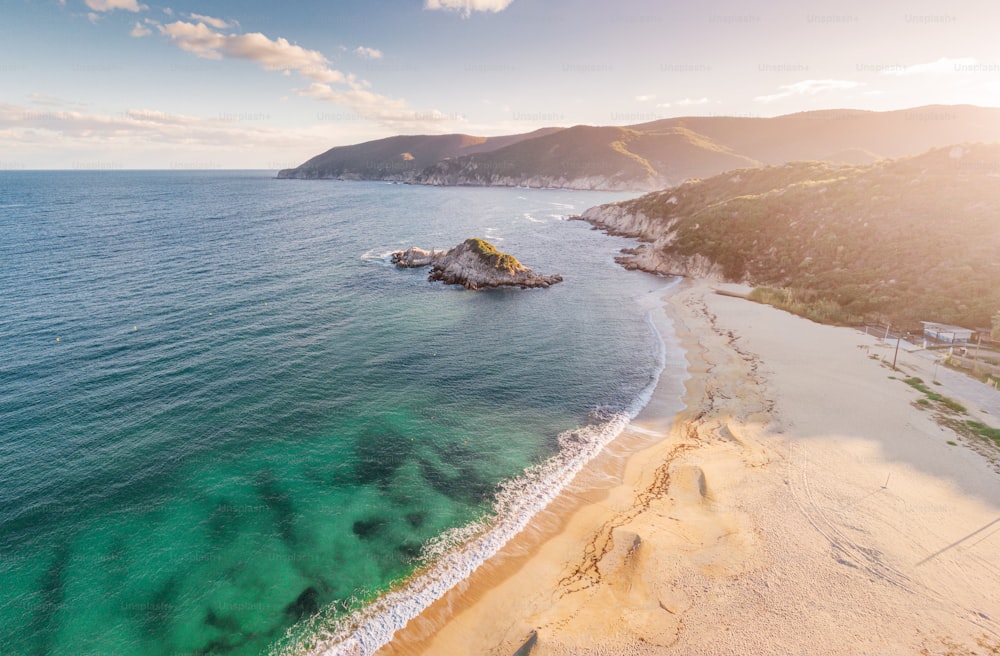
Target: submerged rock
(474, 264)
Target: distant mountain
(653, 155)
(399, 158)
(907, 239)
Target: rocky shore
(651, 255)
(474, 264)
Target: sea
(228, 425)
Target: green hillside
(905, 240)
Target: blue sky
(130, 84)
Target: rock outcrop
(474, 264)
(654, 254)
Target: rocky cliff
(653, 254)
(474, 264)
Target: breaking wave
(453, 556)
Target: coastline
(799, 487)
(459, 554)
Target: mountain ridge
(656, 154)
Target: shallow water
(222, 411)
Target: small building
(944, 333)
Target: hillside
(398, 158)
(905, 240)
(653, 155)
(585, 157)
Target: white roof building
(945, 333)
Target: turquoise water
(222, 411)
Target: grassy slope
(910, 239)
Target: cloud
(111, 5)
(683, 102)
(217, 23)
(45, 100)
(133, 127)
(645, 97)
(272, 54)
(468, 6)
(939, 67)
(808, 88)
(139, 30)
(280, 55)
(368, 53)
(376, 107)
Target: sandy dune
(801, 504)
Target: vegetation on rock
(489, 254)
(899, 240)
(474, 264)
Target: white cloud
(382, 109)
(368, 53)
(45, 100)
(645, 97)
(111, 5)
(683, 102)
(280, 55)
(143, 124)
(468, 6)
(272, 54)
(217, 23)
(140, 30)
(808, 88)
(150, 138)
(941, 66)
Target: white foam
(377, 255)
(456, 554)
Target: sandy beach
(802, 503)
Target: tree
(995, 333)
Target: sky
(120, 84)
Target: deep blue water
(222, 411)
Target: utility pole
(975, 363)
(898, 338)
(887, 326)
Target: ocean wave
(457, 553)
(377, 255)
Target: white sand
(802, 504)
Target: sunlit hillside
(907, 240)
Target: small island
(474, 264)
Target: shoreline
(803, 489)
(458, 555)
